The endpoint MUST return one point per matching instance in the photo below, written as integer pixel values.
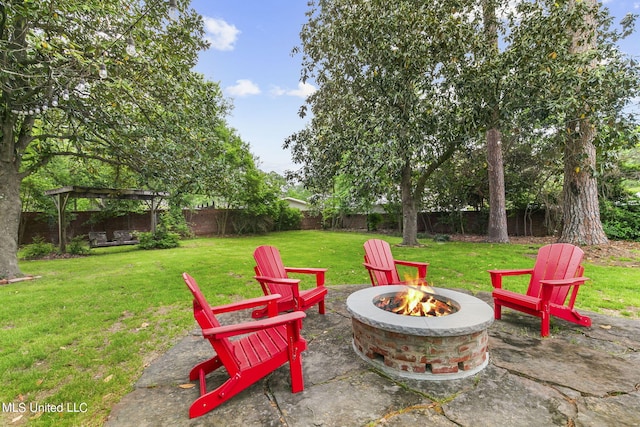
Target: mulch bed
(616, 253)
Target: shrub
(287, 218)
(373, 221)
(275, 217)
(78, 246)
(174, 221)
(161, 239)
(441, 238)
(38, 249)
(621, 222)
(167, 235)
(249, 223)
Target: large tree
(70, 87)
(386, 114)
(577, 84)
(581, 210)
(497, 227)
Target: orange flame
(417, 300)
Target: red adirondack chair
(273, 278)
(265, 345)
(557, 270)
(381, 266)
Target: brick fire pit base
(442, 357)
(435, 348)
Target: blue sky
(250, 56)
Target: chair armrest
(421, 266)
(244, 304)
(388, 273)
(564, 282)
(277, 280)
(496, 275)
(318, 272)
(376, 268)
(292, 283)
(549, 285)
(411, 263)
(305, 270)
(258, 325)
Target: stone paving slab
(577, 377)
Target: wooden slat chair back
(382, 267)
(274, 278)
(378, 253)
(556, 272)
(260, 347)
(555, 262)
(269, 264)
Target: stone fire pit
(430, 348)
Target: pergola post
(60, 200)
(154, 219)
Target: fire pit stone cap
(474, 314)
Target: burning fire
(417, 300)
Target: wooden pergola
(62, 195)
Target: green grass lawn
(83, 333)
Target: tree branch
(433, 166)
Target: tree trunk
(581, 211)
(409, 210)
(10, 211)
(497, 232)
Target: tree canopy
(107, 83)
(387, 112)
(403, 87)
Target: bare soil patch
(616, 253)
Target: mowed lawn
(81, 335)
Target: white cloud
(303, 90)
(277, 91)
(243, 87)
(220, 33)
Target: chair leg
(581, 319)
(577, 318)
(207, 366)
(545, 323)
(215, 398)
(321, 308)
(295, 367)
(497, 310)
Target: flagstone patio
(577, 376)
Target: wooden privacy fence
(210, 222)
